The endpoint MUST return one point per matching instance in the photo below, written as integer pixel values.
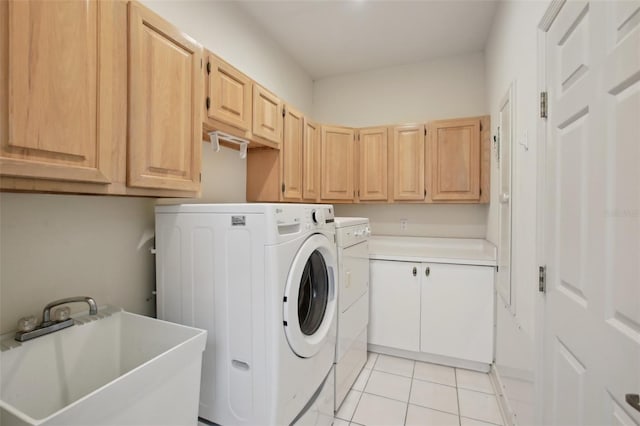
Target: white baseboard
(435, 359)
(508, 414)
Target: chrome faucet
(46, 313)
(47, 325)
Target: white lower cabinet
(457, 311)
(394, 316)
(433, 308)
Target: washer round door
(310, 296)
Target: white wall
(511, 57)
(53, 246)
(442, 88)
(432, 220)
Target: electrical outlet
(403, 224)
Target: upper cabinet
(337, 170)
(372, 164)
(56, 75)
(311, 152)
(267, 116)
(455, 160)
(277, 174)
(229, 94)
(407, 162)
(165, 87)
(100, 97)
(291, 153)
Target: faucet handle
(62, 314)
(27, 323)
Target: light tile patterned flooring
(396, 391)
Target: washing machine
(352, 236)
(261, 279)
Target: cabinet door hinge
(208, 67)
(208, 102)
(358, 193)
(283, 187)
(543, 104)
(425, 131)
(481, 192)
(542, 279)
(284, 112)
(200, 177)
(425, 192)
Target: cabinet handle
(427, 271)
(415, 271)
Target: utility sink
(114, 368)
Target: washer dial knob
(317, 216)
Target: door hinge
(425, 192)
(283, 187)
(200, 177)
(358, 193)
(481, 192)
(284, 112)
(208, 102)
(543, 104)
(542, 279)
(208, 67)
(425, 131)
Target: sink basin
(115, 368)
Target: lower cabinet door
(395, 304)
(457, 311)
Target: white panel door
(457, 311)
(395, 305)
(592, 223)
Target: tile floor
(396, 391)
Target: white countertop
(465, 251)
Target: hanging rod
(217, 135)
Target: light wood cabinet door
(337, 163)
(165, 91)
(292, 154)
(455, 160)
(267, 115)
(56, 72)
(407, 153)
(311, 161)
(229, 94)
(372, 164)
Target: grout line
(455, 374)
(435, 383)
(356, 407)
(363, 387)
(480, 420)
(406, 411)
(386, 397)
(476, 390)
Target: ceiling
(328, 37)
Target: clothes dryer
(261, 279)
(353, 302)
